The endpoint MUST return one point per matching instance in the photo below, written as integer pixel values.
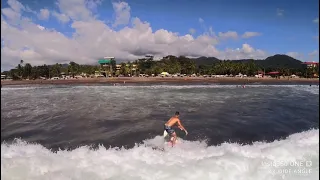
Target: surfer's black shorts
(169, 130)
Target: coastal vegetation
(282, 64)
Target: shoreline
(125, 80)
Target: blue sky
(293, 31)
(283, 26)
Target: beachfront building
(164, 74)
(134, 67)
(312, 68)
(128, 68)
(118, 67)
(99, 74)
(63, 75)
(106, 62)
(311, 64)
(5, 77)
(274, 74)
(106, 66)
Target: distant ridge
(278, 60)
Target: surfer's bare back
(168, 127)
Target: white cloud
(76, 10)
(92, 4)
(316, 20)
(192, 31)
(10, 14)
(228, 34)
(295, 55)
(44, 14)
(40, 45)
(201, 20)
(28, 9)
(16, 5)
(309, 57)
(314, 53)
(280, 12)
(13, 13)
(41, 27)
(250, 34)
(122, 13)
(246, 52)
(61, 17)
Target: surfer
(168, 127)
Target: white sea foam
(17, 88)
(310, 89)
(188, 160)
(314, 87)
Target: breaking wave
(296, 157)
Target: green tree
(55, 70)
(27, 71)
(125, 69)
(172, 64)
(73, 68)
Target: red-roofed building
(273, 73)
(311, 64)
(314, 67)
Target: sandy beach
(124, 80)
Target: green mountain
(206, 60)
(282, 61)
(276, 61)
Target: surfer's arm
(180, 125)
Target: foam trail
(168, 86)
(188, 160)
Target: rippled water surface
(219, 119)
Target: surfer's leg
(173, 138)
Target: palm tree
(73, 68)
(124, 69)
(20, 69)
(27, 70)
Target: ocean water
(115, 132)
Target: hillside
(206, 60)
(276, 61)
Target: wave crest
(188, 160)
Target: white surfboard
(165, 133)
(166, 137)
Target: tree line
(27, 71)
(210, 66)
(283, 64)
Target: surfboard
(167, 137)
(165, 133)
